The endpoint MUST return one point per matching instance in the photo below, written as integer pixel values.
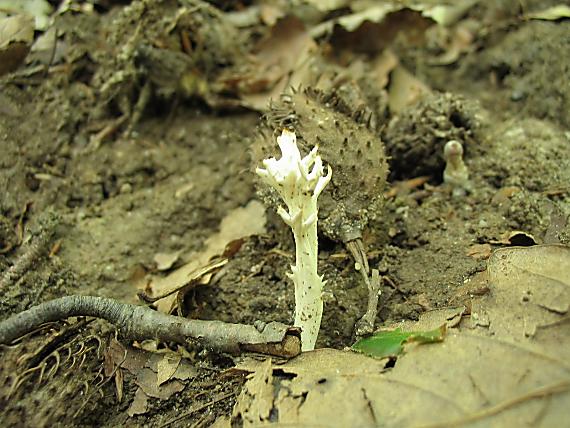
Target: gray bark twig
(140, 323)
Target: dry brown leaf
(238, 223)
(47, 49)
(406, 186)
(127, 357)
(279, 57)
(119, 382)
(473, 287)
(432, 320)
(269, 14)
(328, 5)
(185, 371)
(530, 288)
(464, 379)
(375, 13)
(504, 194)
(455, 42)
(138, 276)
(135, 359)
(480, 378)
(445, 13)
(372, 25)
(148, 345)
(40, 10)
(166, 367)
(148, 381)
(495, 376)
(113, 356)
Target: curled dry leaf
(516, 238)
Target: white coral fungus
(299, 182)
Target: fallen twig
(139, 323)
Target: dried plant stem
(365, 325)
(139, 323)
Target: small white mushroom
(456, 174)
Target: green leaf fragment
(391, 343)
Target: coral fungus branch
(299, 182)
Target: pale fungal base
(299, 182)
(456, 174)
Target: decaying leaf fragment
(139, 405)
(166, 367)
(255, 401)
(16, 37)
(148, 380)
(553, 13)
(276, 61)
(158, 375)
